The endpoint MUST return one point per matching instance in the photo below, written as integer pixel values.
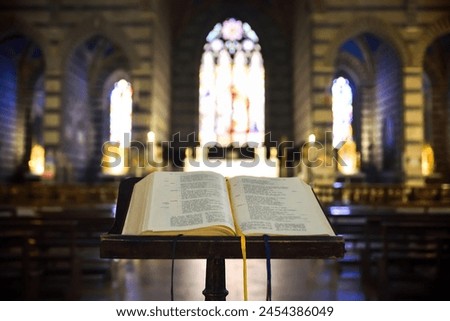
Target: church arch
(97, 25)
(436, 89)
(359, 75)
(372, 25)
(11, 25)
(85, 119)
(21, 103)
(374, 69)
(434, 31)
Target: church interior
(353, 97)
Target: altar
(231, 163)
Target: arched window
(342, 111)
(231, 105)
(342, 127)
(120, 112)
(120, 124)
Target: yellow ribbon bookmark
(244, 263)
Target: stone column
(413, 125)
(52, 124)
(322, 122)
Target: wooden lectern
(214, 249)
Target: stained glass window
(120, 112)
(120, 123)
(231, 105)
(342, 111)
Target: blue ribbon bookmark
(268, 269)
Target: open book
(206, 203)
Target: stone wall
(409, 28)
(87, 46)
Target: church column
(413, 125)
(141, 105)
(324, 170)
(151, 81)
(302, 76)
(161, 71)
(322, 72)
(141, 121)
(367, 120)
(52, 123)
(321, 112)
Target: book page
(183, 201)
(139, 205)
(277, 206)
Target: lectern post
(215, 289)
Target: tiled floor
(292, 280)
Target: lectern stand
(214, 249)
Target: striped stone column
(52, 118)
(413, 125)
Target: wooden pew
(75, 230)
(369, 234)
(402, 251)
(16, 276)
(7, 211)
(51, 194)
(91, 223)
(411, 256)
(350, 223)
(38, 251)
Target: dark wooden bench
(91, 224)
(350, 222)
(53, 242)
(405, 254)
(35, 251)
(378, 241)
